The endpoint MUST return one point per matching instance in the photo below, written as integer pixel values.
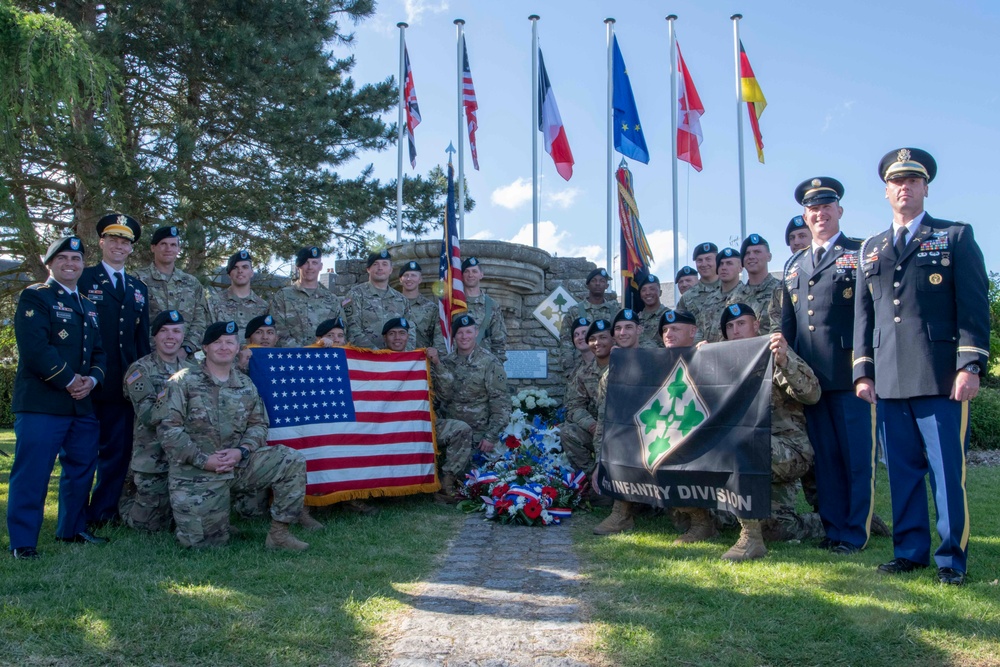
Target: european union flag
(629, 140)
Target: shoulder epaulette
(39, 286)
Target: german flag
(751, 93)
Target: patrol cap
(649, 279)
(676, 317)
(409, 266)
(307, 253)
(905, 162)
(257, 323)
(395, 323)
(598, 326)
(376, 256)
(684, 273)
(163, 318)
(819, 190)
(626, 315)
(165, 232)
(116, 224)
(462, 321)
(241, 256)
(726, 253)
(704, 249)
(596, 272)
(326, 326)
(579, 322)
(471, 261)
(733, 311)
(217, 330)
(752, 240)
(65, 244)
(798, 222)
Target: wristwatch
(972, 368)
(244, 451)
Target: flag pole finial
(609, 20)
(736, 17)
(402, 24)
(672, 17)
(459, 21)
(534, 17)
(450, 150)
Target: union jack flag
(412, 108)
(470, 104)
(450, 276)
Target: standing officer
(122, 303)
(818, 322)
(761, 286)
(369, 305)
(238, 302)
(798, 236)
(299, 307)
(685, 279)
(59, 362)
(483, 309)
(423, 309)
(921, 340)
(649, 317)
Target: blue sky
(845, 83)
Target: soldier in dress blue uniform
(122, 303)
(60, 361)
(921, 340)
(820, 282)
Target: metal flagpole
(739, 124)
(610, 23)
(402, 132)
(534, 129)
(461, 134)
(673, 137)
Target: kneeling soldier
(577, 434)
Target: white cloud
(562, 198)
(485, 235)
(512, 196)
(661, 242)
(838, 112)
(415, 9)
(556, 242)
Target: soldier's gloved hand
(485, 446)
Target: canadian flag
(689, 114)
(550, 124)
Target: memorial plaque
(551, 311)
(527, 364)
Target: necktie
(818, 255)
(119, 285)
(900, 242)
(76, 299)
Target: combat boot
(307, 521)
(619, 520)
(750, 545)
(447, 493)
(702, 527)
(279, 538)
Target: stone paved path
(479, 610)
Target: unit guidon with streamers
(362, 418)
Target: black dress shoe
(826, 543)
(951, 576)
(899, 565)
(24, 553)
(845, 549)
(84, 537)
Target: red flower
(523, 471)
(550, 492)
(500, 490)
(502, 506)
(512, 442)
(533, 509)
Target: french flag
(550, 124)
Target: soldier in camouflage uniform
(486, 311)
(330, 333)
(707, 306)
(685, 279)
(298, 308)
(580, 326)
(173, 289)
(149, 508)
(761, 287)
(708, 283)
(650, 293)
(471, 401)
(395, 334)
(597, 306)
(238, 302)
(577, 434)
(214, 431)
(370, 305)
(424, 314)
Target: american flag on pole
(412, 108)
(452, 301)
(470, 104)
(362, 418)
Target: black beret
(116, 224)
(241, 256)
(164, 233)
(376, 256)
(726, 253)
(649, 279)
(733, 311)
(579, 322)
(66, 243)
(819, 190)
(598, 326)
(409, 266)
(462, 321)
(257, 323)
(798, 222)
(218, 329)
(307, 253)
(395, 323)
(685, 272)
(596, 272)
(472, 261)
(704, 249)
(326, 326)
(676, 317)
(626, 315)
(753, 239)
(904, 162)
(163, 318)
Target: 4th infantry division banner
(362, 418)
(690, 428)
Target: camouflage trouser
(578, 443)
(789, 465)
(147, 507)
(454, 440)
(201, 504)
(251, 504)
